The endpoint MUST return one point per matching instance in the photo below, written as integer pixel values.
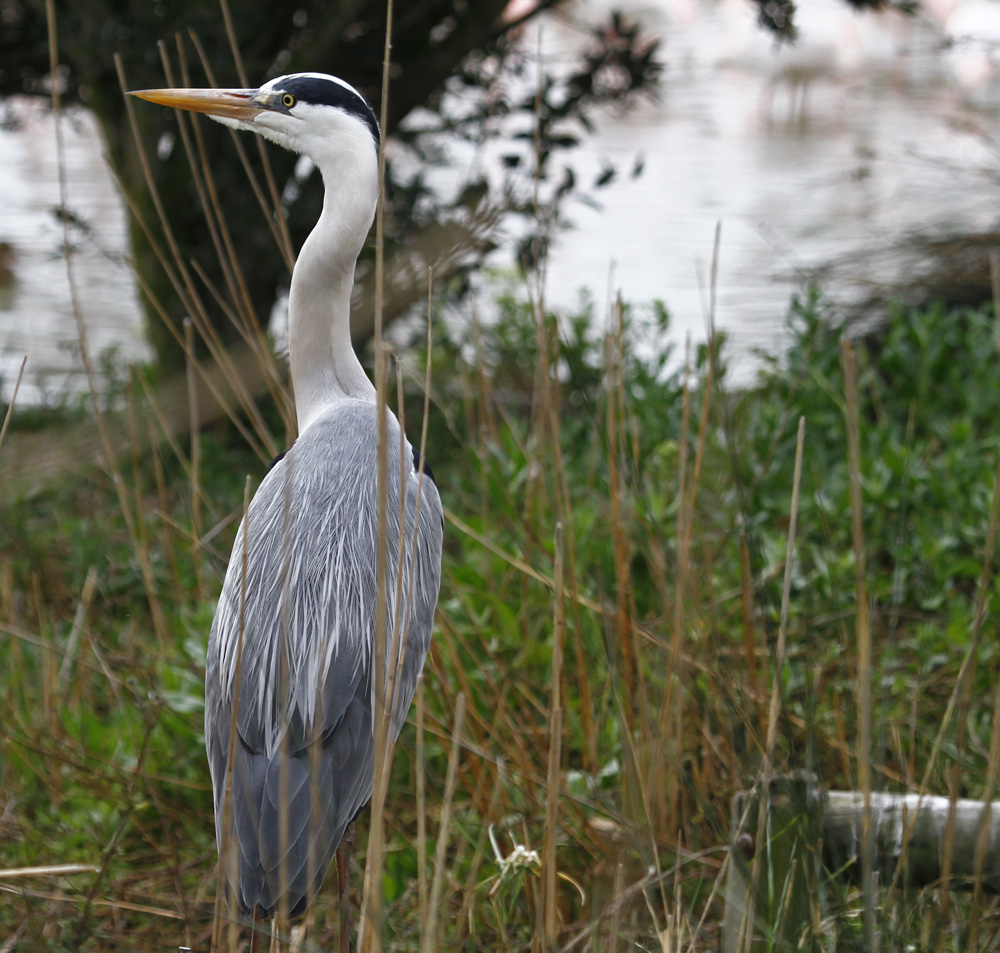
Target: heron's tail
(285, 831)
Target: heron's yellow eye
(288, 100)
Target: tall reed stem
(370, 939)
(551, 929)
(863, 639)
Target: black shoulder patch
(326, 92)
(428, 472)
(275, 461)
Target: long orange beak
(241, 104)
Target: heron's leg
(343, 869)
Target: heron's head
(314, 114)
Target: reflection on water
(803, 156)
(868, 130)
(36, 316)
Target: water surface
(860, 136)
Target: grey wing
(295, 676)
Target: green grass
(674, 505)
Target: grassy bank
(672, 497)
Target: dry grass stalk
(672, 711)
(48, 870)
(767, 770)
(421, 781)
(614, 359)
(982, 601)
(421, 757)
(615, 925)
(863, 639)
(370, 935)
(430, 940)
(982, 843)
(72, 640)
(195, 425)
(13, 400)
(964, 687)
(995, 286)
(228, 849)
(549, 869)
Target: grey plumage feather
(300, 674)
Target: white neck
(324, 367)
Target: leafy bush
(673, 497)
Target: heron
(290, 686)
